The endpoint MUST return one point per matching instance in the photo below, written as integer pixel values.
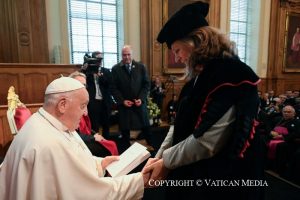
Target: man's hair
(95, 53)
(53, 99)
(290, 108)
(127, 47)
(77, 73)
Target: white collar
(52, 120)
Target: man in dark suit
(130, 88)
(98, 85)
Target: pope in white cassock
(48, 160)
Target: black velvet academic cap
(184, 21)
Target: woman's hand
(98, 137)
(157, 170)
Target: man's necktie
(128, 68)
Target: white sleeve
(98, 161)
(167, 143)
(194, 149)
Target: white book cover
(129, 159)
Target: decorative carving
(13, 100)
(24, 38)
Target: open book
(129, 159)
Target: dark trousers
(145, 133)
(288, 161)
(293, 168)
(99, 115)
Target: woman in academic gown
(215, 118)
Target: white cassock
(45, 162)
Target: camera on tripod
(93, 63)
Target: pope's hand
(146, 177)
(107, 160)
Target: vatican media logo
(235, 183)
(209, 183)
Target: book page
(129, 159)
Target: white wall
(57, 25)
(264, 38)
(132, 26)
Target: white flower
(153, 109)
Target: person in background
(275, 107)
(287, 158)
(266, 96)
(48, 159)
(157, 92)
(271, 95)
(296, 93)
(98, 81)
(297, 107)
(213, 137)
(283, 134)
(172, 106)
(290, 100)
(96, 143)
(263, 102)
(130, 89)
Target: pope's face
(77, 107)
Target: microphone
(172, 78)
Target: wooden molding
(30, 80)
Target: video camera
(93, 63)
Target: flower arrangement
(153, 109)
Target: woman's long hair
(209, 44)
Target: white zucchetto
(63, 84)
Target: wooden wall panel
(8, 37)
(23, 35)
(277, 79)
(37, 83)
(30, 80)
